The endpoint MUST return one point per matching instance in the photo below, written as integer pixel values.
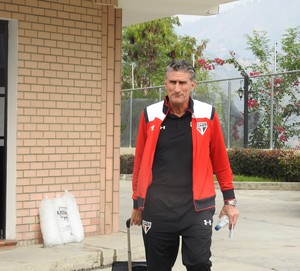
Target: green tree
(289, 59)
(147, 49)
(286, 104)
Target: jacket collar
(166, 107)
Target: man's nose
(177, 86)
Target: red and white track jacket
(209, 154)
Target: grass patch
(242, 178)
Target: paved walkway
(267, 237)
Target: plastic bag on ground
(60, 220)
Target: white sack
(49, 226)
(74, 217)
(60, 220)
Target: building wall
(68, 110)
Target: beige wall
(68, 110)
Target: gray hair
(181, 65)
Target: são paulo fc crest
(146, 226)
(201, 127)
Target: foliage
(283, 165)
(286, 109)
(148, 47)
(126, 163)
(275, 165)
(289, 60)
(279, 91)
(259, 45)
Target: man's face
(178, 85)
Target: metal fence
(260, 111)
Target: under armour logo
(146, 226)
(207, 222)
(163, 127)
(152, 127)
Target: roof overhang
(139, 11)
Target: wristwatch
(232, 202)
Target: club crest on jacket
(201, 127)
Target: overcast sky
(226, 31)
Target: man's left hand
(232, 212)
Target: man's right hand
(136, 217)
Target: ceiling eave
(139, 11)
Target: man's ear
(194, 84)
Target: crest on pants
(146, 226)
(201, 127)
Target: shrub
(126, 163)
(279, 165)
(290, 165)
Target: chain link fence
(259, 111)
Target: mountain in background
(226, 31)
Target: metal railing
(244, 121)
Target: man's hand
(232, 212)
(136, 217)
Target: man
(179, 148)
